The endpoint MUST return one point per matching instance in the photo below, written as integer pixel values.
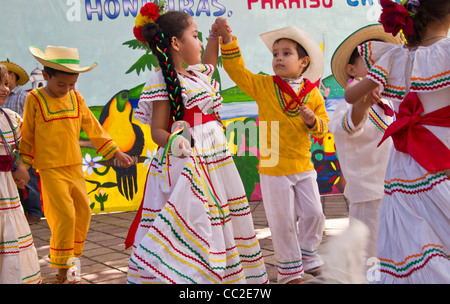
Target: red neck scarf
(410, 136)
(286, 88)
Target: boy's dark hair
(427, 12)
(354, 56)
(52, 72)
(300, 50)
(17, 76)
(159, 36)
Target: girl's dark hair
(427, 12)
(159, 36)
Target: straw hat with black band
(315, 69)
(18, 70)
(341, 56)
(61, 58)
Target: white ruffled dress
(19, 262)
(414, 228)
(183, 236)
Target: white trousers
(296, 221)
(368, 213)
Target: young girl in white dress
(19, 263)
(195, 224)
(413, 238)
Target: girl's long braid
(170, 76)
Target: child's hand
(21, 176)
(374, 96)
(123, 158)
(181, 147)
(308, 116)
(223, 29)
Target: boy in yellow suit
(53, 118)
(290, 108)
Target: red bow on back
(410, 136)
(286, 88)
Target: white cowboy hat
(315, 69)
(61, 58)
(18, 70)
(344, 51)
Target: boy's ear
(45, 75)
(350, 69)
(305, 60)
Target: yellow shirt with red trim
(51, 131)
(284, 139)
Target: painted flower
(89, 163)
(149, 156)
(395, 17)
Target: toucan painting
(116, 119)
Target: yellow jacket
(51, 130)
(284, 139)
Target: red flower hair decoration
(149, 13)
(395, 17)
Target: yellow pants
(66, 207)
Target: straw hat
(61, 58)
(344, 51)
(315, 69)
(19, 71)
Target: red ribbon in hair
(410, 136)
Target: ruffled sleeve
(154, 89)
(210, 99)
(386, 66)
(16, 122)
(197, 89)
(431, 71)
(390, 65)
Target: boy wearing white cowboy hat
(357, 130)
(293, 107)
(53, 117)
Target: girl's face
(190, 46)
(285, 62)
(4, 89)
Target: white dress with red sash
(413, 237)
(19, 261)
(195, 223)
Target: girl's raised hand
(223, 29)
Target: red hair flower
(150, 10)
(395, 17)
(149, 13)
(137, 31)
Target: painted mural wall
(102, 31)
